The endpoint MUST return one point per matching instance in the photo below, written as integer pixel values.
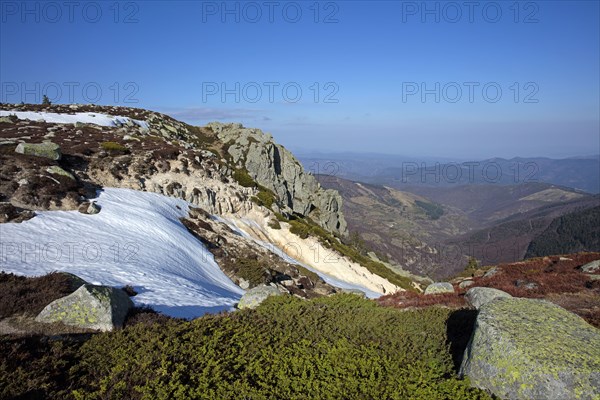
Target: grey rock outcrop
(46, 149)
(492, 272)
(356, 292)
(533, 349)
(466, 283)
(253, 297)
(11, 119)
(89, 208)
(92, 307)
(274, 167)
(93, 208)
(479, 296)
(439, 287)
(268, 164)
(56, 170)
(591, 267)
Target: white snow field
(136, 239)
(85, 117)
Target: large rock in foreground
(532, 349)
(92, 307)
(253, 297)
(46, 150)
(480, 296)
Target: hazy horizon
(303, 151)
(435, 79)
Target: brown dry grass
(559, 281)
(584, 304)
(411, 300)
(20, 295)
(550, 274)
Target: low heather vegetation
(333, 347)
(327, 348)
(28, 296)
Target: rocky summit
(274, 167)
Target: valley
(433, 231)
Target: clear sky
(449, 79)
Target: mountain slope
(434, 231)
(488, 204)
(582, 173)
(508, 240)
(401, 226)
(217, 169)
(572, 232)
(579, 173)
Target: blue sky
(362, 69)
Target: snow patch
(85, 117)
(136, 239)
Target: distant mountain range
(434, 230)
(581, 173)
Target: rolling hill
(581, 173)
(434, 230)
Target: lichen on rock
(253, 297)
(46, 150)
(92, 307)
(479, 296)
(533, 349)
(439, 287)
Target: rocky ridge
(197, 164)
(274, 167)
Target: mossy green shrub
(274, 224)
(266, 197)
(114, 148)
(242, 177)
(339, 347)
(304, 227)
(433, 211)
(201, 137)
(299, 229)
(313, 276)
(281, 217)
(252, 270)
